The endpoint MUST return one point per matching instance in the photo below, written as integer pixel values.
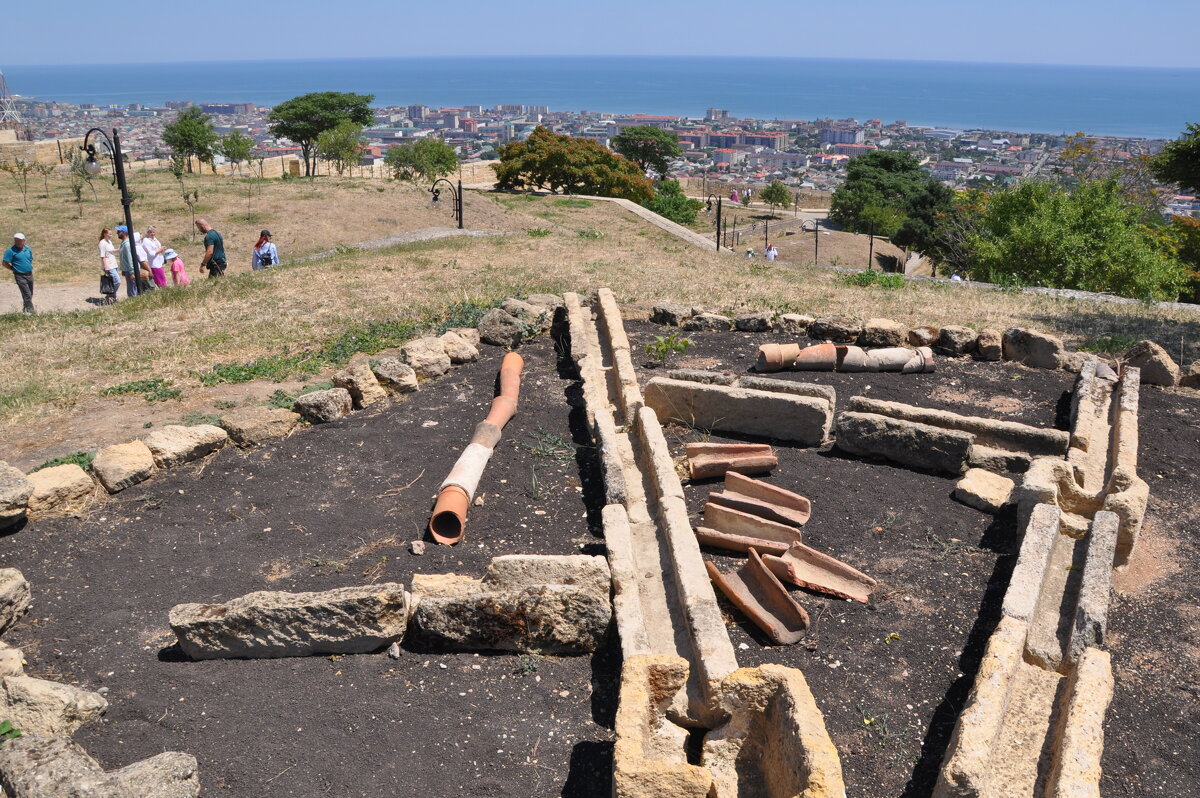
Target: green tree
(670, 202)
(547, 160)
(882, 220)
(882, 179)
(426, 158)
(192, 136)
(20, 169)
(923, 211)
(1179, 161)
(301, 119)
(647, 146)
(236, 147)
(341, 145)
(1090, 239)
(776, 195)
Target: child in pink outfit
(178, 273)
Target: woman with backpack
(265, 253)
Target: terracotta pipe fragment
(736, 522)
(789, 504)
(449, 518)
(806, 567)
(758, 593)
(706, 460)
(776, 357)
(743, 543)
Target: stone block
(59, 490)
(534, 316)
(908, 443)
(396, 377)
(249, 426)
(527, 570)
(53, 709)
(1034, 349)
(123, 464)
(468, 334)
(1191, 377)
(174, 445)
(1075, 770)
(793, 323)
(753, 322)
(1025, 584)
(770, 414)
(501, 329)
(320, 407)
(955, 340)
(1157, 366)
(990, 345)
(458, 348)
(922, 336)
(427, 356)
(671, 314)
(14, 597)
(838, 329)
(984, 491)
(15, 490)
(1091, 610)
(360, 382)
(12, 660)
(34, 766)
(708, 322)
(881, 333)
(550, 302)
(349, 620)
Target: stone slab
(59, 490)
(908, 443)
(249, 426)
(984, 491)
(174, 444)
(780, 416)
(15, 490)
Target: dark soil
(336, 505)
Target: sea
(1112, 101)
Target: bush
(671, 203)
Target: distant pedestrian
(265, 254)
(18, 259)
(771, 252)
(110, 276)
(178, 272)
(154, 256)
(956, 277)
(145, 281)
(733, 196)
(750, 253)
(128, 264)
(214, 250)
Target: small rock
(360, 381)
(990, 345)
(538, 317)
(468, 334)
(792, 323)
(754, 322)
(396, 377)
(838, 329)
(417, 547)
(427, 356)
(15, 490)
(984, 490)
(320, 407)
(1034, 349)
(394, 650)
(1191, 377)
(123, 464)
(671, 314)
(708, 321)
(881, 333)
(1073, 361)
(34, 766)
(551, 302)
(53, 709)
(922, 336)
(174, 445)
(12, 661)
(248, 426)
(956, 340)
(501, 329)
(59, 490)
(14, 596)
(1157, 366)
(459, 350)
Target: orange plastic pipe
(449, 518)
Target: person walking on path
(126, 259)
(178, 272)
(154, 254)
(771, 252)
(18, 259)
(265, 253)
(145, 283)
(110, 277)
(214, 250)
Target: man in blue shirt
(18, 259)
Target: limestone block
(34, 766)
(349, 620)
(171, 774)
(839, 329)
(922, 336)
(754, 322)
(908, 443)
(1034, 349)
(1025, 584)
(1076, 766)
(1091, 610)
(174, 445)
(360, 381)
(700, 375)
(984, 490)
(427, 356)
(468, 334)
(671, 314)
(881, 332)
(793, 323)
(14, 596)
(320, 407)
(38, 706)
(123, 464)
(526, 570)
(708, 321)
(551, 302)
(59, 490)
(396, 377)
(501, 329)
(248, 426)
(769, 414)
(12, 660)
(956, 340)
(1191, 377)
(990, 345)
(15, 490)
(459, 349)
(535, 316)
(1157, 366)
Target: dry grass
(55, 365)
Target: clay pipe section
(450, 512)
(777, 357)
(758, 593)
(807, 567)
(764, 500)
(706, 460)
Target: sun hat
(122, 228)
(20, 236)
(170, 254)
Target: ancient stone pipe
(450, 512)
(831, 357)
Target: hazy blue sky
(1116, 32)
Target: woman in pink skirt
(175, 263)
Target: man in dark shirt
(214, 250)
(18, 259)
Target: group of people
(770, 252)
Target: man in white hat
(18, 259)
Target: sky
(1157, 33)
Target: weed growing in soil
(591, 235)
(81, 459)
(662, 347)
(537, 232)
(550, 445)
(336, 565)
(464, 314)
(8, 731)
(1116, 344)
(527, 664)
(945, 547)
(573, 203)
(873, 278)
(196, 418)
(154, 390)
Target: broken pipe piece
(807, 567)
(763, 499)
(450, 513)
(831, 357)
(706, 460)
(758, 593)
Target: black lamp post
(455, 194)
(816, 229)
(709, 202)
(93, 168)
